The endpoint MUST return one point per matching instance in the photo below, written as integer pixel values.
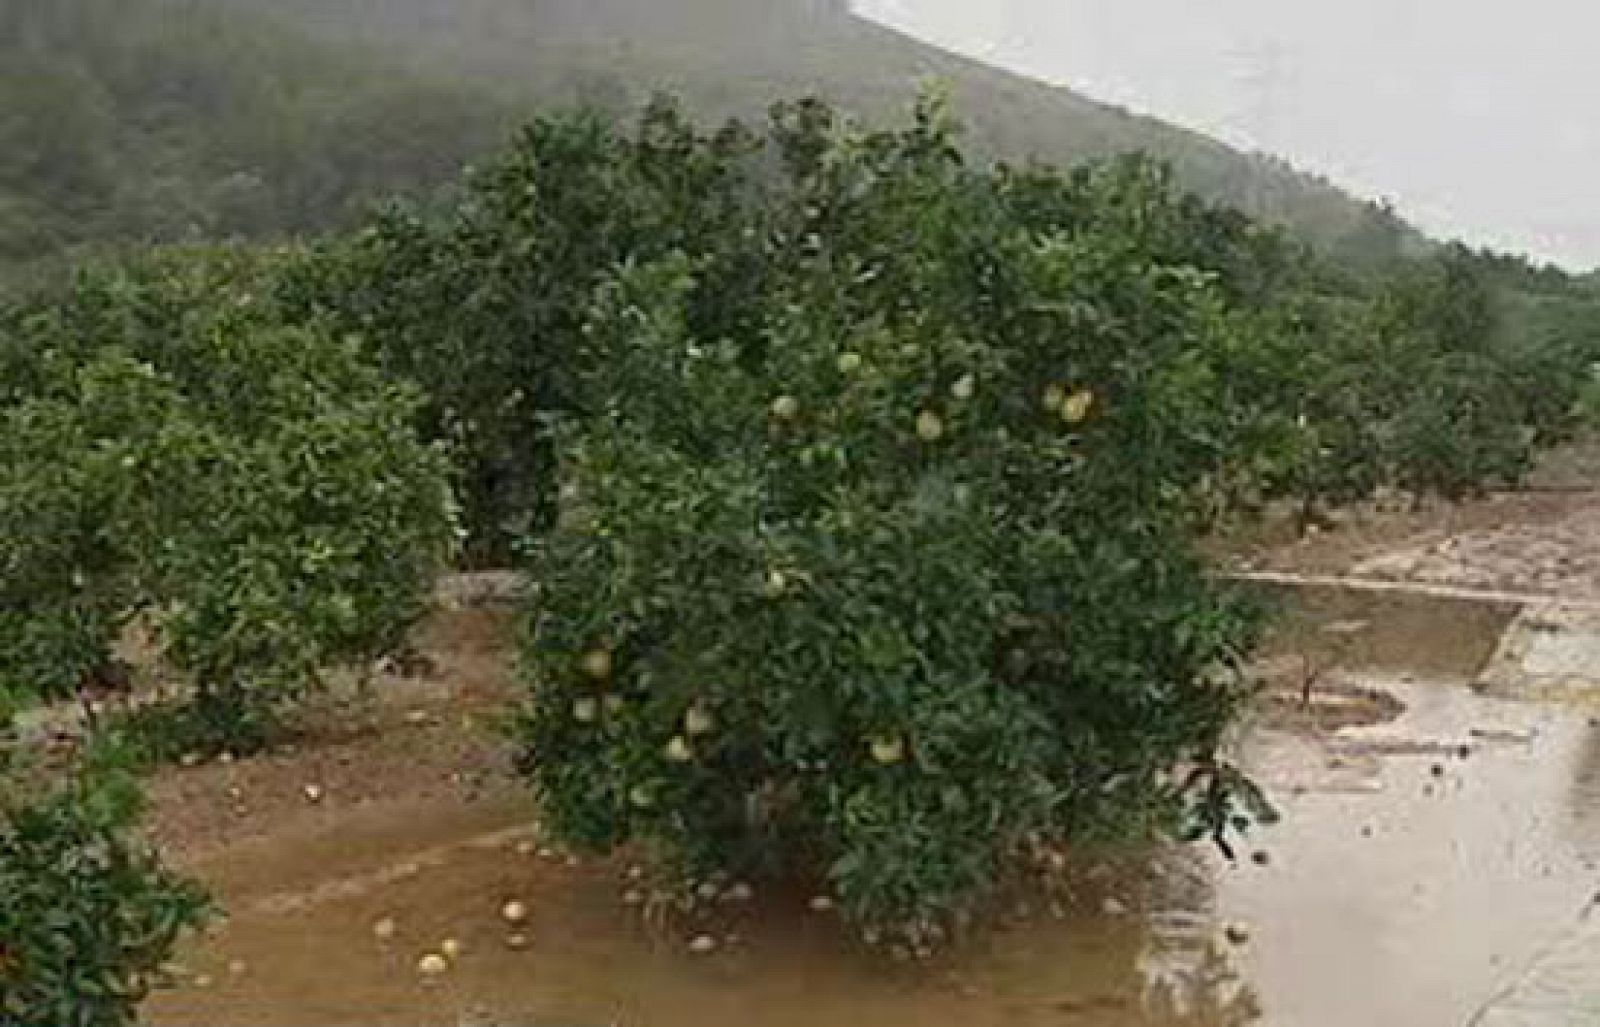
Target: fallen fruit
(585, 710)
(313, 793)
(820, 904)
(451, 948)
(432, 965)
(385, 929)
(514, 912)
(703, 945)
(516, 942)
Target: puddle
(1436, 864)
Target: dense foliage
(888, 576)
(88, 913)
(171, 452)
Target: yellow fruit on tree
(785, 408)
(964, 387)
(929, 427)
(849, 363)
(678, 750)
(888, 750)
(1077, 406)
(698, 721)
(597, 664)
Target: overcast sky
(1478, 118)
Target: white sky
(1477, 118)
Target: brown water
(1428, 870)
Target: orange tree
(172, 451)
(891, 580)
(89, 912)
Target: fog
(1475, 118)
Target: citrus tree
(482, 303)
(253, 491)
(89, 913)
(892, 583)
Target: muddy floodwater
(1437, 863)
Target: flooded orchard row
(1435, 864)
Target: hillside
(136, 120)
(734, 56)
(155, 120)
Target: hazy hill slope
(132, 120)
(734, 56)
(155, 120)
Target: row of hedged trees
(860, 486)
(181, 462)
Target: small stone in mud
(547, 853)
(633, 897)
(385, 929)
(416, 718)
(525, 847)
(1237, 934)
(189, 759)
(820, 904)
(516, 942)
(706, 892)
(703, 945)
(1112, 906)
(225, 759)
(203, 981)
(738, 892)
(238, 968)
(573, 861)
(636, 873)
(1260, 857)
(313, 793)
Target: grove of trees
(860, 486)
